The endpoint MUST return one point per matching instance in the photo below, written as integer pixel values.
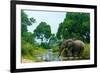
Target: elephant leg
(80, 53)
(70, 54)
(74, 53)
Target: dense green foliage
(28, 37)
(75, 25)
(25, 21)
(43, 31)
(86, 53)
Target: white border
(20, 65)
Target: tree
(52, 40)
(28, 37)
(75, 25)
(59, 31)
(43, 31)
(25, 21)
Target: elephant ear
(70, 44)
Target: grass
(86, 52)
(29, 52)
(29, 57)
(33, 58)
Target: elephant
(71, 48)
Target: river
(49, 56)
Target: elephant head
(65, 45)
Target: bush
(29, 51)
(86, 52)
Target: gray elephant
(71, 48)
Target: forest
(75, 25)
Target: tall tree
(25, 21)
(75, 25)
(43, 31)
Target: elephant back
(79, 43)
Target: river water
(49, 56)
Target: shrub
(86, 52)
